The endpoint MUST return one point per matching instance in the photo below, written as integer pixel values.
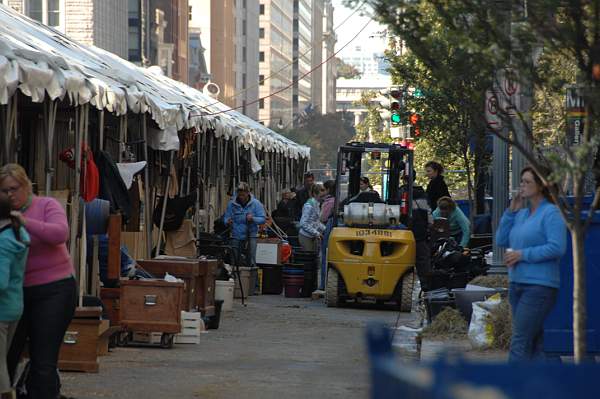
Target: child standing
(14, 246)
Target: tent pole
(164, 204)
(147, 206)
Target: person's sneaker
(318, 294)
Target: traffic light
(415, 125)
(395, 105)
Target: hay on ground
(501, 321)
(491, 281)
(448, 324)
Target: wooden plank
(114, 247)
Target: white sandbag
(481, 333)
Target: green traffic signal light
(395, 118)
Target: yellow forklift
(371, 250)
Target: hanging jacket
(310, 226)
(90, 180)
(13, 255)
(237, 212)
(112, 186)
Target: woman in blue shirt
(535, 236)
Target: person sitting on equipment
(366, 193)
(460, 228)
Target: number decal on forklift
(374, 232)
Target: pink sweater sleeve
(54, 229)
(326, 210)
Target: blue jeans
(530, 305)
(324, 245)
(239, 247)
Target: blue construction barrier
(459, 379)
(558, 328)
(466, 207)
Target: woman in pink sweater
(50, 292)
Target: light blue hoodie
(235, 211)
(13, 256)
(542, 239)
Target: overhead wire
(293, 81)
(263, 80)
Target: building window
(261, 103)
(261, 9)
(135, 37)
(261, 56)
(261, 80)
(243, 81)
(244, 27)
(244, 4)
(261, 33)
(46, 12)
(244, 54)
(189, 13)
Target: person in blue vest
(535, 236)
(244, 214)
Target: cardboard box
(268, 252)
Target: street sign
(508, 89)
(492, 110)
(576, 114)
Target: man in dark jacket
(302, 194)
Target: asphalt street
(275, 347)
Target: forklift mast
(350, 163)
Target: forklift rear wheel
(408, 283)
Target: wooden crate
(83, 341)
(199, 276)
(191, 327)
(151, 306)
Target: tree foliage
(347, 71)
(323, 134)
(542, 44)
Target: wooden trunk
(84, 340)
(151, 306)
(199, 276)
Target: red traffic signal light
(415, 127)
(395, 93)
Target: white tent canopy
(39, 60)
